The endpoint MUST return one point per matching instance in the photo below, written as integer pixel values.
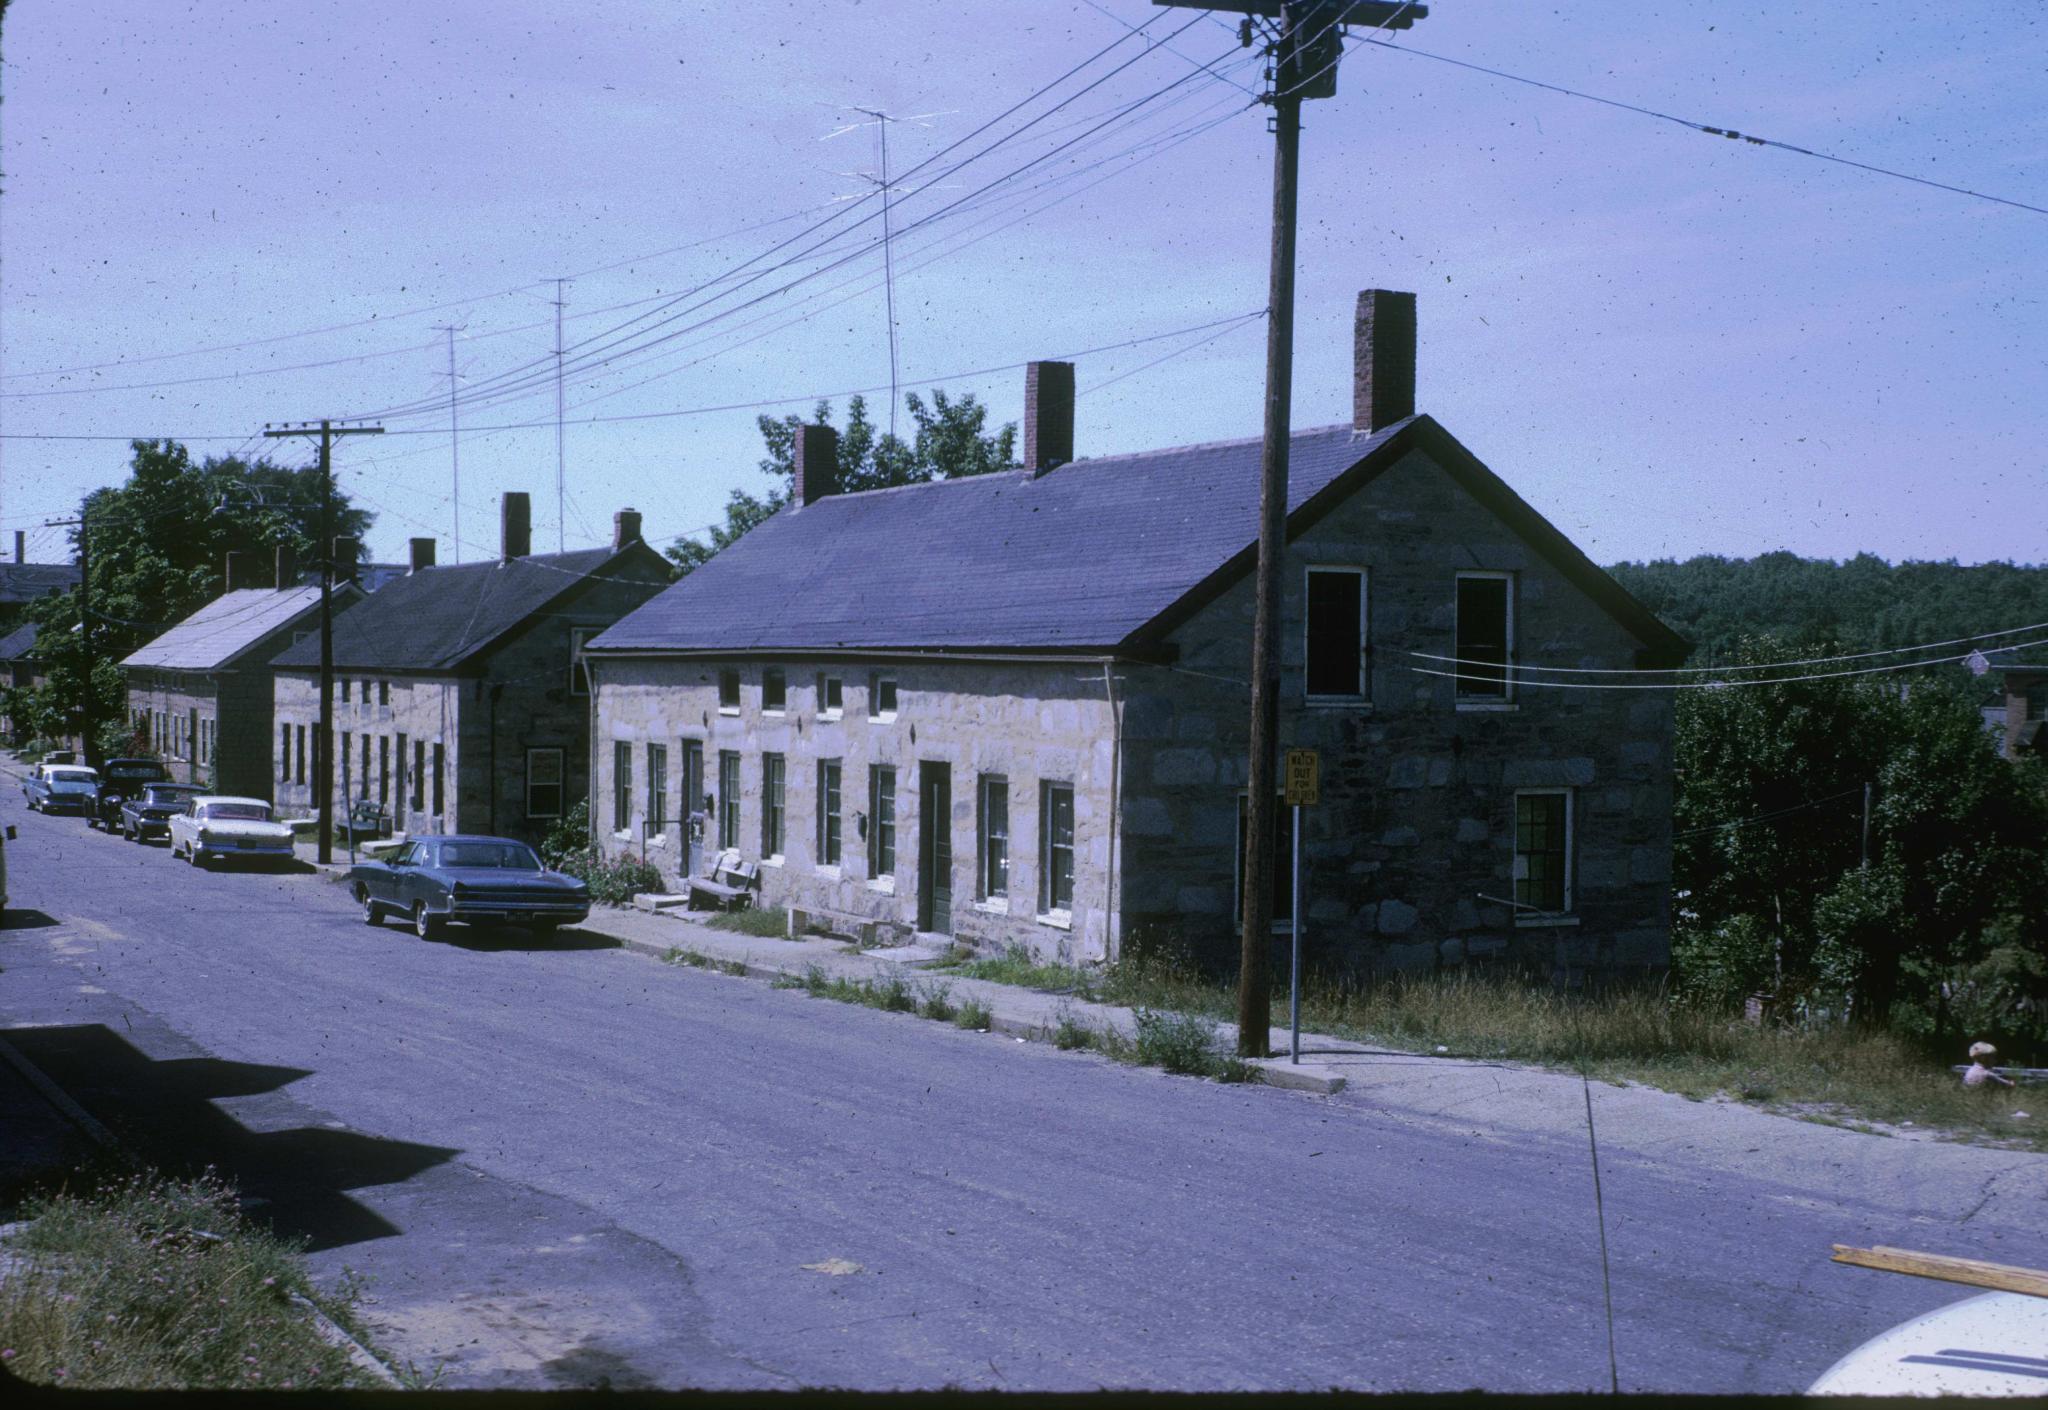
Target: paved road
(558, 1162)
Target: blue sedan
(476, 880)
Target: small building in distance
(460, 701)
(20, 669)
(199, 696)
(22, 582)
(1012, 708)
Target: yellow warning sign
(1303, 777)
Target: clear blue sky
(1669, 343)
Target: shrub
(934, 1001)
(973, 1014)
(1178, 1042)
(612, 881)
(752, 921)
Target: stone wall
(377, 711)
(177, 711)
(1027, 722)
(1416, 825)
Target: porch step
(657, 902)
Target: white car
(1991, 1344)
(213, 827)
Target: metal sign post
(1302, 775)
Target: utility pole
(323, 745)
(1305, 41)
(88, 744)
(454, 442)
(561, 492)
(1866, 827)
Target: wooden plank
(2002, 1276)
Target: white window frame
(777, 673)
(622, 788)
(560, 785)
(732, 673)
(878, 879)
(1505, 699)
(831, 712)
(1567, 914)
(774, 807)
(729, 798)
(1364, 691)
(1048, 913)
(986, 897)
(831, 817)
(875, 710)
(657, 789)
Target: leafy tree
(159, 546)
(1768, 848)
(950, 440)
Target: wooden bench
(727, 881)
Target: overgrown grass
(1017, 966)
(935, 1001)
(892, 995)
(695, 959)
(771, 924)
(974, 1015)
(145, 1283)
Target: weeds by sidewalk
(144, 1283)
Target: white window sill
(1543, 922)
(774, 861)
(886, 885)
(831, 717)
(887, 719)
(829, 873)
(1479, 707)
(771, 714)
(624, 834)
(1058, 920)
(732, 710)
(994, 906)
(660, 839)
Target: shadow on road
(499, 938)
(164, 1112)
(18, 919)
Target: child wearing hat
(1980, 1074)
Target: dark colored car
(475, 880)
(61, 788)
(120, 780)
(148, 813)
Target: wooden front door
(935, 848)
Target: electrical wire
(1514, 671)
(1766, 817)
(1747, 666)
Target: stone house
(199, 696)
(460, 703)
(1014, 708)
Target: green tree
(159, 546)
(950, 440)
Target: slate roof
(25, 582)
(18, 643)
(440, 617)
(211, 638)
(1097, 554)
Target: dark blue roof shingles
(1083, 556)
(437, 618)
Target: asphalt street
(559, 1161)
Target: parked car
(148, 814)
(120, 780)
(61, 788)
(213, 827)
(475, 880)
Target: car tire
(425, 923)
(371, 915)
(192, 856)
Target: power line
(1724, 132)
(1745, 666)
(1493, 679)
(1766, 817)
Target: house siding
(1031, 723)
(1416, 819)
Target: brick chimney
(422, 554)
(239, 568)
(1048, 416)
(815, 451)
(1383, 359)
(287, 566)
(625, 529)
(515, 524)
(348, 551)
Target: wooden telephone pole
(1305, 39)
(323, 747)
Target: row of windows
(422, 769)
(829, 693)
(877, 827)
(178, 734)
(363, 690)
(1337, 641)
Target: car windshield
(171, 795)
(237, 812)
(74, 777)
(511, 856)
(133, 772)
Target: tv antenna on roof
(880, 121)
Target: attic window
(774, 690)
(729, 691)
(1335, 642)
(881, 696)
(831, 697)
(1485, 638)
